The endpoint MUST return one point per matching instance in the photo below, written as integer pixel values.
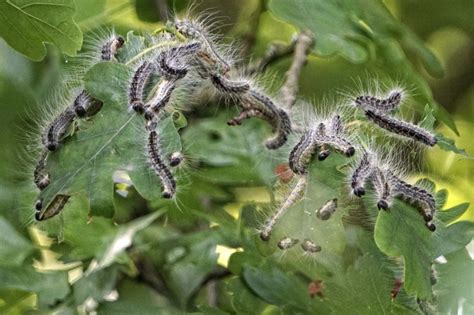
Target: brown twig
(289, 90)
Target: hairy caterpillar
(176, 55)
(325, 212)
(387, 185)
(310, 247)
(332, 136)
(416, 195)
(294, 197)
(301, 154)
(40, 176)
(58, 128)
(160, 168)
(195, 30)
(287, 243)
(228, 86)
(277, 117)
(81, 103)
(382, 188)
(360, 175)
(383, 105)
(137, 85)
(52, 209)
(161, 98)
(256, 104)
(110, 47)
(401, 128)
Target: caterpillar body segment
(196, 31)
(52, 209)
(40, 176)
(295, 195)
(401, 128)
(137, 85)
(110, 48)
(161, 98)
(81, 103)
(246, 114)
(360, 175)
(383, 105)
(336, 125)
(226, 85)
(338, 143)
(159, 167)
(256, 104)
(173, 62)
(383, 189)
(58, 128)
(416, 195)
(302, 152)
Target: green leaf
(401, 232)
(86, 9)
(280, 288)
(123, 239)
(448, 144)
(189, 262)
(364, 289)
(243, 300)
(95, 285)
(27, 24)
(451, 214)
(137, 298)
(455, 285)
(15, 248)
(50, 286)
(236, 155)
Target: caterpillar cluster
(190, 51)
(186, 49)
(82, 105)
(330, 134)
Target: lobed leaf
(27, 24)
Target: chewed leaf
(401, 232)
(51, 19)
(112, 140)
(448, 144)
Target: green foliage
(121, 248)
(26, 25)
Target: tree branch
(289, 90)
